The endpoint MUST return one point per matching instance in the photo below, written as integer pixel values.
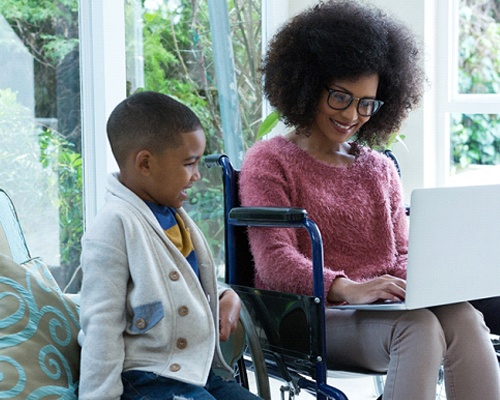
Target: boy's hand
(229, 314)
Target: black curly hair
(343, 40)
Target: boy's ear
(143, 162)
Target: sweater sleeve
(280, 265)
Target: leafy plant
(43, 174)
(57, 154)
(475, 139)
(268, 124)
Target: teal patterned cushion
(39, 353)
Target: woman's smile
(343, 127)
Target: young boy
(151, 313)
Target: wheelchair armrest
(267, 216)
(282, 217)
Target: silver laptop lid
(454, 245)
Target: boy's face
(174, 170)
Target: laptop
(453, 248)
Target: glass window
(40, 150)
(475, 144)
(175, 55)
(479, 53)
(474, 129)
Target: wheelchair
(288, 329)
(285, 331)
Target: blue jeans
(142, 385)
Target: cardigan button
(174, 367)
(140, 323)
(183, 311)
(181, 343)
(174, 276)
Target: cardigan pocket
(145, 317)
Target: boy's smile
(173, 171)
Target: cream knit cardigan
(142, 306)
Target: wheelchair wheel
(256, 355)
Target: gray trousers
(412, 345)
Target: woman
(345, 76)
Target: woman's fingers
(384, 288)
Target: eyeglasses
(340, 100)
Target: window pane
(176, 56)
(479, 52)
(40, 151)
(475, 149)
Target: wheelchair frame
(236, 220)
(236, 217)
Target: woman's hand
(229, 314)
(382, 288)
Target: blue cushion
(39, 353)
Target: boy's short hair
(148, 120)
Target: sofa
(39, 324)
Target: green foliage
(396, 137)
(48, 28)
(49, 31)
(178, 61)
(475, 138)
(268, 124)
(41, 170)
(58, 154)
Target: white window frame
(103, 86)
(427, 130)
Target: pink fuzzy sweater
(359, 210)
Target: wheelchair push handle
(214, 160)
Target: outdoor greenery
(475, 138)
(177, 57)
(49, 31)
(178, 60)
(58, 154)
